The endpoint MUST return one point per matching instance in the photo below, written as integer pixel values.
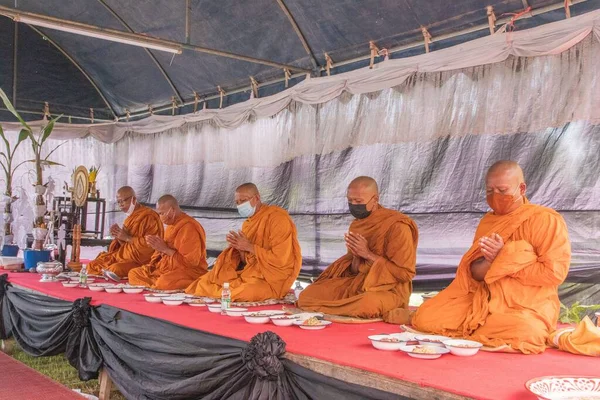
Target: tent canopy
(75, 73)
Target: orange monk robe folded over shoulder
(269, 272)
(379, 288)
(121, 257)
(186, 236)
(517, 304)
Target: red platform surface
(483, 376)
(19, 382)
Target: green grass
(58, 369)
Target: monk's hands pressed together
(240, 242)
(159, 245)
(120, 233)
(358, 246)
(490, 246)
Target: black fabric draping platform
(152, 359)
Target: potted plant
(6, 162)
(40, 231)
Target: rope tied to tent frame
(150, 109)
(173, 105)
(127, 115)
(92, 115)
(254, 88)
(46, 110)
(329, 64)
(426, 38)
(491, 19)
(568, 4)
(196, 97)
(288, 74)
(222, 94)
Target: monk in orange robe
(180, 258)
(262, 260)
(505, 294)
(129, 249)
(375, 276)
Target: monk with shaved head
(505, 294)
(180, 258)
(129, 248)
(374, 278)
(262, 260)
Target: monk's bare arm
(479, 268)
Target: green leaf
(4, 138)
(23, 135)
(14, 112)
(48, 129)
(54, 149)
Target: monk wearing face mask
(374, 278)
(180, 258)
(129, 248)
(505, 291)
(262, 260)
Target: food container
(462, 348)
(214, 307)
(386, 342)
(70, 284)
(283, 320)
(172, 301)
(113, 289)
(432, 340)
(235, 311)
(133, 289)
(49, 270)
(433, 352)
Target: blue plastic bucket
(32, 257)
(10, 250)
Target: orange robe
(269, 272)
(517, 303)
(121, 257)
(378, 288)
(186, 236)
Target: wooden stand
(105, 385)
(75, 264)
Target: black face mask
(359, 211)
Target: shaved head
(125, 198)
(366, 183)
(126, 191)
(168, 209)
(168, 200)
(505, 186)
(249, 188)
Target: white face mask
(246, 210)
(131, 208)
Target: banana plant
(6, 162)
(37, 145)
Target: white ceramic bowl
(113, 290)
(386, 342)
(172, 301)
(256, 317)
(153, 299)
(463, 348)
(235, 311)
(432, 340)
(283, 320)
(214, 308)
(437, 352)
(133, 289)
(195, 302)
(157, 294)
(322, 325)
(564, 387)
(96, 287)
(70, 284)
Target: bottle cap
(226, 285)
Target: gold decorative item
(92, 176)
(79, 195)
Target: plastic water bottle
(225, 298)
(83, 277)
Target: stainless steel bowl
(49, 270)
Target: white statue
(50, 186)
(62, 236)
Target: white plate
(378, 341)
(113, 290)
(439, 351)
(432, 340)
(133, 290)
(152, 299)
(454, 346)
(264, 319)
(96, 288)
(201, 303)
(158, 295)
(564, 387)
(169, 301)
(235, 311)
(312, 327)
(70, 284)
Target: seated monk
(505, 291)
(262, 260)
(180, 258)
(375, 277)
(129, 248)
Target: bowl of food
(235, 311)
(425, 352)
(312, 324)
(70, 284)
(564, 387)
(96, 287)
(386, 342)
(113, 289)
(432, 340)
(153, 299)
(172, 301)
(462, 348)
(133, 289)
(196, 302)
(214, 307)
(256, 317)
(283, 320)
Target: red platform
(483, 376)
